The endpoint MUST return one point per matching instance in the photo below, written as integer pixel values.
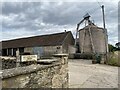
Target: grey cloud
(17, 7)
(46, 17)
(68, 13)
(10, 7)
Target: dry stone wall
(54, 75)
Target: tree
(117, 45)
(111, 48)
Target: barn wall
(48, 50)
(69, 41)
(72, 49)
(28, 49)
(44, 51)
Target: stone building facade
(44, 45)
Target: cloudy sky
(25, 19)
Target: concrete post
(7, 52)
(12, 51)
(17, 58)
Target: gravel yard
(84, 74)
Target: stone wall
(54, 75)
(8, 63)
(11, 63)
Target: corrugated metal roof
(43, 40)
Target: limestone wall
(53, 75)
(8, 63)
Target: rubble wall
(54, 75)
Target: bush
(113, 59)
(112, 48)
(113, 62)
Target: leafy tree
(117, 45)
(111, 48)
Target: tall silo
(92, 39)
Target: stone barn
(44, 45)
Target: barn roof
(42, 40)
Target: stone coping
(7, 57)
(60, 55)
(25, 70)
(47, 60)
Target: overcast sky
(25, 19)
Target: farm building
(92, 39)
(44, 45)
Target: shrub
(113, 59)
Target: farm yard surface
(84, 74)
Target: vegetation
(113, 55)
(117, 45)
(113, 58)
(112, 48)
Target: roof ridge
(43, 40)
(37, 36)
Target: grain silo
(92, 39)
